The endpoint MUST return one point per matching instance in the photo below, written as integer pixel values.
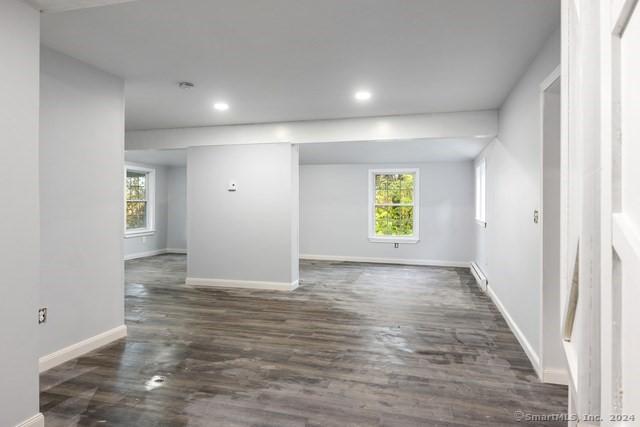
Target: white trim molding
(524, 343)
(398, 261)
(244, 284)
(145, 254)
(150, 199)
(35, 421)
(175, 251)
(83, 347)
(154, 253)
(134, 234)
(555, 376)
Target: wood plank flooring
(354, 345)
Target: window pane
(394, 220)
(480, 191)
(382, 196)
(136, 185)
(394, 188)
(406, 196)
(136, 215)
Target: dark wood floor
(355, 345)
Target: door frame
(614, 16)
(553, 77)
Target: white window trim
(149, 230)
(481, 193)
(415, 238)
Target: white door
(621, 289)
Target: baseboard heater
(481, 279)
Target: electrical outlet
(42, 315)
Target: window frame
(150, 199)
(481, 192)
(373, 237)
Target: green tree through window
(136, 190)
(394, 204)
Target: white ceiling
(157, 157)
(282, 60)
(51, 6)
(406, 151)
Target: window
(139, 195)
(393, 205)
(481, 192)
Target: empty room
(319, 213)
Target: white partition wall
(241, 204)
(82, 207)
(19, 213)
(177, 209)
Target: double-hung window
(481, 192)
(394, 205)
(139, 195)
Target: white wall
(145, 245)
(295, 214)
(244, 235)
(334, 213)
(19, 215)
(177, 206)
(81, 193)
(511, 254)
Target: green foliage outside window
(394, 204)
(136, 190)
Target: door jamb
(544, 85)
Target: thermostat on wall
(233, 186)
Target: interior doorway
(552, 363)
(155, 186)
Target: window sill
(141, 233)
(391, 239)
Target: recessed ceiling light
(221, 106)
(362, 95)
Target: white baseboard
(145, 254)
(154, 253)
(246, 284)
(555, 376)
(78, 349)
(35, 421)
(175, 251)
(479, 275)
(400, 261)
(524, 343)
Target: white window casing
(415, 205)
(149, 200)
